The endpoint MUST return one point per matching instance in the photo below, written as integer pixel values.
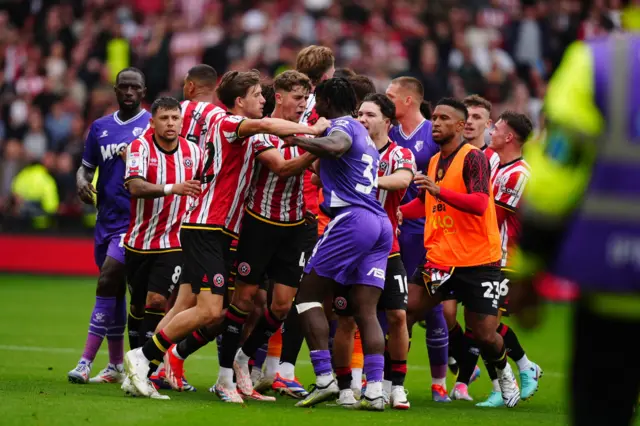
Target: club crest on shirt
(419, 145)
(137, 131)
(383, 166)
(440, 173)
(188, 163)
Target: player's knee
(281, 308)
(111, 282)
(136, 311)
(209, 314)
(397, 318)
(156, 301)
(243, 296)
(347, 324)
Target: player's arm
(414, 209)
(334, 145)
(509, 195)
(403, 173)
(561, 161)
(87, 170)
(273, 160)
(279, 127)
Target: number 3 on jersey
(371, 173)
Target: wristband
(168, 188)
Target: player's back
(108, 137)
(198, 120)
(421, 144)
(352, 179)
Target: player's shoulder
(475, 154)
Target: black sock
(491, 371)
(344, 376)
(292, 338)
(398, 372)
(468, 358)
(192, 343)
(514, 349)
(267, 325)
(232, 326)
(133, 329)
(152, 318)
(455, 347)
(497, 359)
(387, 361)
(156, 347)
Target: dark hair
(236, 84)
(344, 72)
(134, 70)
(455, 104)
(269, 95)
(203, 74)
(314, 61)
(425, 109)
(340, 94)
(519, 123)
(289, 79)
(386, 105)
(165, 102)
(477, 101)
(362, 85)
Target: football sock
(115, 332)
(101, 317)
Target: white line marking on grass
(15, 348)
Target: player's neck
(410, 122)
(165, 145)
(380, 140)
(126, 115)
(337, 114)
(449, 148)
(202, 97)
(277, 113)
(477, 142)
(509, 156)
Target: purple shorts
(354, 248)
(109, 244)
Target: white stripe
(37, 349)
(237, 206)
(138, 221)
(412, 133)
(120, 122)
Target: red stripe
(198, 337)
(468, 334)
(503, 330)
(400, 368)
(343, 371)
(164, 336)
(235, 318)
(274, 322)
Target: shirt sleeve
(403, 159)
(260, 144)
(341, 126)
(476, 172)
(229, 126)
(509, 193)
(91, 154)
(137, 161)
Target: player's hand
(399, 216)
(86, 192)
(190, 188)
(426, 183)
(321, 125)
(310, 218)
(289, 141)
(524, 302)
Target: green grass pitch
(44, 323)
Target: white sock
(356, 378)
(287, 370)
(524, 363)
(324, 380)
(442, 381)
(271, 366)
(373, 390)
(241, 357)
(452, 361)
(174, 351)
(496, 385)
(386, 386)
(225, 377)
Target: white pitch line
(14, 348)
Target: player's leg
(450, 310)
(437, 341)
(109, 313)
(343, 345)
(467, 360)
(184, 300)
(605, 378)
(480, 290)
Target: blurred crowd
(59, 60)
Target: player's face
(166, 124)
(447, 122)
(322, 107)
(477, 122)
(253, 103)
(372, 119)
(129, 90)
(399, 98)
(500, 136)
(293, 103)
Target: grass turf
(44, 325)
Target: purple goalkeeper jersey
(421, 144)
(352, 179)
(108, 136)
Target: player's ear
(489, 123)
(278, 98)
(152, 123)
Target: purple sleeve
(343, 126)
(90, 157)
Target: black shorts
(394, 296)
(480, 288)
(271, 250)
(232, 265)
(504, 302)
(206, 259)
(152, 272)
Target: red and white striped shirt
(393, 157)
(494, 159)
(509, 183)
(272, 197)
(228, 169)
(155, 223)
(198, 119)
(310, 191)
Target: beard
(442, 139)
